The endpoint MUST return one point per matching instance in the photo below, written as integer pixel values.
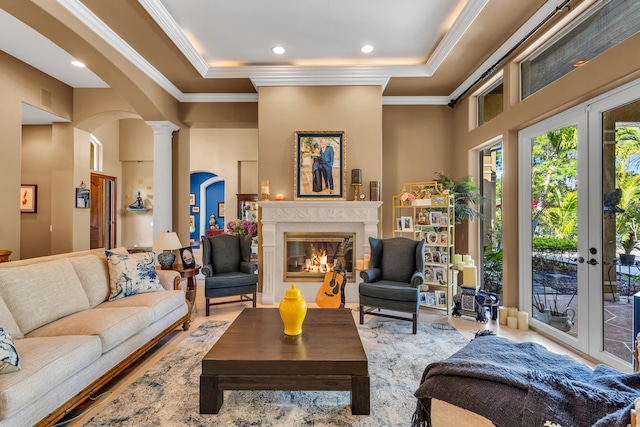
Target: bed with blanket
(506, 384)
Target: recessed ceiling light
(279, 50)
(367, 48)
(78, 64)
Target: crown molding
(219, 97)
(163, 18)
(415, 100)
(460, 26)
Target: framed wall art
(220, 209)
(82, 198)
(319, 169)
(28, 198)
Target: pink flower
(407, 197)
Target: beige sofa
(71, 340)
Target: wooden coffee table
(254, 354)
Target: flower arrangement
(629, 244)
(407, 197)
(242, 228)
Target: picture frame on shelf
(435, 217)
(28, 198)
(439, 275)
(441, 298)
(428, 274)
(407, 223)
(435, 257)
(432, 238)
(443, 257)
(444, 219)
(428, 257)
(186, 255)
(439, 200)
(328, 181)
(430, 299)
(398, 224)
(443, 238)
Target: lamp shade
(167, 241)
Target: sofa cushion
(40, 293)
(112, 325)
(9, 358)
(162, 303)
(93, 273)
(132, 274)
(46, 362)
(8, 322)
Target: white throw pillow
(132, 274)
(9, 359)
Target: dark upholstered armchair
(393, 279)
(227, 268)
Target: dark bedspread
(527, 385)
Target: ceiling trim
(460, 26)
(219, 97)
(90, 19)
(415, 100)
(163, 18)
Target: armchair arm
(248, 267)
(207, 270)
(371, 275)
(169, 279)
(417, 279)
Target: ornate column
(162, 176)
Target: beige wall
(357, 110)
(221, 152)
(416, 144)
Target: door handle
(580, 259)
(593, 261)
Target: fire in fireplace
(309, 256)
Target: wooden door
(103, 208)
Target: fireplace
(308, 256)
(277, 218)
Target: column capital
(163, 127)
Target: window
(490, 102)
(491, 223)
(95, 154)
(599, 29)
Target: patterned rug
(168, 393)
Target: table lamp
(167, 241)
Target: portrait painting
(319, 170)
(28, 198)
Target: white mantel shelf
(310, 216)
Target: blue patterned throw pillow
(132, 274)
(9, 359)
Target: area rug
(168, 393)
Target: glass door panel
(620, 225)
(554, 229)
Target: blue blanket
(527, 385)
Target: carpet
(168, 393)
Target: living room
(394, 133)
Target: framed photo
(28, 198)
(192, 199)
(428, 257)
(435, 256)
(320, 162)
(186, 255)
(398, 224)
(444, 219)
(192, 224)
(220, 209)
(195, 209)
(435, 217)
(438, 200)
(444, 238)
(407, 223)
(438, 275)
(441, 299)
(428, 274)
(82, 198)
(432, 238)
(431, 299)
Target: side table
(190, 275)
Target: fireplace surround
(340, 217)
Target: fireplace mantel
(317, 216)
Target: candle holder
(356, 192)
(265, 190)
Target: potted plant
(627, 258)
(466, 196)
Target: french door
(579, 199)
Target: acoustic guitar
(331, 293)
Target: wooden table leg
(360, 399)
(211, 398)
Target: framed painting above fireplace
(319, 171)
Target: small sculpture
(212, 222)
(138, 205)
